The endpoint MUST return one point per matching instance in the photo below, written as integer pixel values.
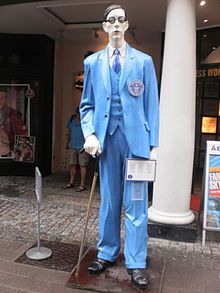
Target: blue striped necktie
(116, 62)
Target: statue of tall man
(119, 118)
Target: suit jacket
(140, 112)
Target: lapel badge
(136, 88)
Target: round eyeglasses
(113, 19)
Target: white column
(172, 188)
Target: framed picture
(14, 117)
(211, 89)
(24, 149)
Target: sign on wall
(208, 72)
(211, 219)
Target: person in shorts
(75, 142)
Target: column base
(169, 218)
(182, 233)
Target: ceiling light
(213, 47)
(202, 3)
(205, 20)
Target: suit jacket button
(106, 116)
(107, 98)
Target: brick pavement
(62, 218)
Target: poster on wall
(24, 149)
(211, 219)
(14, 116)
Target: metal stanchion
(38, 253)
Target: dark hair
(112, 7)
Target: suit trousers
(116, 192)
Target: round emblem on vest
(136, 88)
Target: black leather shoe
(139, 278)
(99, 265)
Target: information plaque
(140, 170)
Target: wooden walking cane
(87, 215)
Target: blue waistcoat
(116, 112)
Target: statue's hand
(153, 153)
(92, 145)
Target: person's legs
(111, 201)
(72, 173)
(73, 164)
(112, 174)
(83, 163)
(72, 177)
(82, 175)
(111, 198)
(135, 203)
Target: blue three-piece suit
(122, 111)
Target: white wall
(68, 62)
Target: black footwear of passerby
(99, 265)
(139, 278)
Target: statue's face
(117, 29)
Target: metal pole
(38, 226)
